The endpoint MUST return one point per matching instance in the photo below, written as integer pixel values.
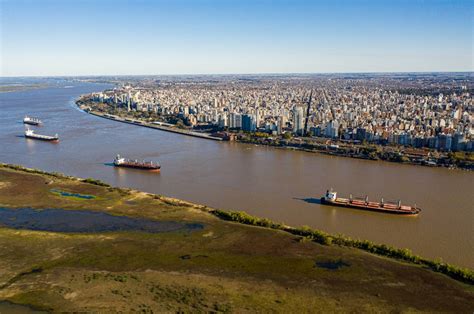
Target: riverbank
(226, 266)
(367, 152)
(403, 155)
(20, 88)
(148, 125)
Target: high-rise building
(361, 134)
(248, 123)
(332, 129)
(298, 120)
(458, 141)
(223, 120)
(280, 124)
(235, 121)
(257, 117)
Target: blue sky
(84, 37)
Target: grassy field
(225, 267)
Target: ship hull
(412, 212)
(32, 123)
(46, 139)
(147, 168)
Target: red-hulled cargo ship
(391, 208)
(128, 163)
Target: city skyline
(380, 109)
(52, 38)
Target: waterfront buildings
(417, 110)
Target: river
(279, 184)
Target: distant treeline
(54, 174)
(461, 274)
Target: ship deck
(387, 207)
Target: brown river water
(282, 185)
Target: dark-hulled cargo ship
(385, 207)
(129, 163)
(31, 134)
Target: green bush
(461, 274)
(95, 182)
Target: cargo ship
(128, 163)
(32, 121)
(31, 134)
(385, 207)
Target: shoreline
(88, 109)
(328, 152)
(461, 274)
(149, 125)
(21, 88)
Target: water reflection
(60, 220)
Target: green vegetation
(95, 182)
(226, 267)
(321, 237)
(461, 159)
(35, 171)
(260, 134)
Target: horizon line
(236, 74)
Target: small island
(119, 250)
(9, 88)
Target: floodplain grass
(455, 272)
(321, 237)
(234, 253)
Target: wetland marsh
(223, 267)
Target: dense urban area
(418, 118)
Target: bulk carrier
(31, 134)
(128, 163)
(386, 207)
(32, 121)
